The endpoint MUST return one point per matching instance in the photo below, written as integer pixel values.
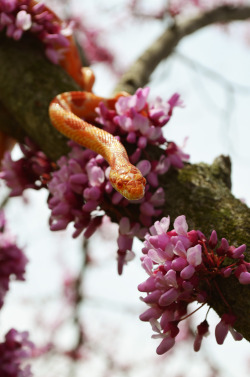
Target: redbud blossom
(180, 264)
(12, 260)
(14, 351)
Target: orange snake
(67, 111)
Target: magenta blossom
(226, 324)
(80, 185)
(30, 171)
(12, 260)
(141, 121)
(179, 264)
(20, 16)
(127, 232)
(14, 351)
(202, 331)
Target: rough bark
(28, 82)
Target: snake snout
(131, 184)
(136, 189)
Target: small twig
(139, 73)
(79, 295)
(4, 201)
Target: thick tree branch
(27, 84)
(139, 73)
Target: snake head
(128, 181)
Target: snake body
(66, 112)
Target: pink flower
(213, 239)
(180, 225)
(160, 112)
(244, 278)
(23, 20)
(226, 324)
(143, 122)
(5, 20)
(137, 102)
(31, 171)
(238, 252)
(12, 260)
(202, 330)
(160, 227)
(194, 256)
(166, 344)
(8, 5)
(168, 336)
(176, 156)
(20, 16)
(76, 189)
(15, 349)
(127, 232)
(179, 262)
(53, 55)
(175, 101)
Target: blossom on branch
(12, 260)
(19, 16)
(81, 183)
(31, 171)
(182, 267)
(14, 351)
(225, 325)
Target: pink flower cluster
(139, 123)
(18, 16)
(181, 266)
(76, 190)
(137, 120)
(127, 232)
(31, 171)
(12, 260)
(79, 185)
(14, 350)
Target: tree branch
(28, 82)
(139, 73)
